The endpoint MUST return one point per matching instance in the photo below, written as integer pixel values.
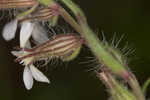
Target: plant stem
(136, 88)
(145, 85)
(28, 11)
(93, 42)
(69, 19)
(97, 47)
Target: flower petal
(10, 30)
(17, 53)
(39, 34)
(25, 33)
(28, 45)
(38, 75)
(27, 78)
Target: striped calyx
(17, 3)
(64, 46)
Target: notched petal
(17, 53)
(27, 78)
(38, 75)
(10, 30)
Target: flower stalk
(29, 11)
(97, 46)
(92, 41)
(117, 90)
(136, 88)
(145, 85)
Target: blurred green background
(72, 81)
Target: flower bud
(17, 3)
(64, 46)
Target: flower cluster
(30, 25)
(65, 47)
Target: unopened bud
(17, 3)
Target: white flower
(28, 29)
(25, 32)
(10, 30)
(39, 34)
(30, 71)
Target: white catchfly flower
(30, 26)
(30, 71)
(28, 29)
(10, 28)
(64, 46)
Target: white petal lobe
(39, 34)
(17, 53)
(27, 78)
(38, 75)
(28, 44)
(10, 30)
(25, 32)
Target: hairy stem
(70, 20)
(145, 85)
(92, 41)
(98, 49)
(136, 88)
(97, 46)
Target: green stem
(97, 46)
(69, 19)
(145, 85)
(28, 11)
(74, 8)
(93, 42)
(98, 49)
(136, 88)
